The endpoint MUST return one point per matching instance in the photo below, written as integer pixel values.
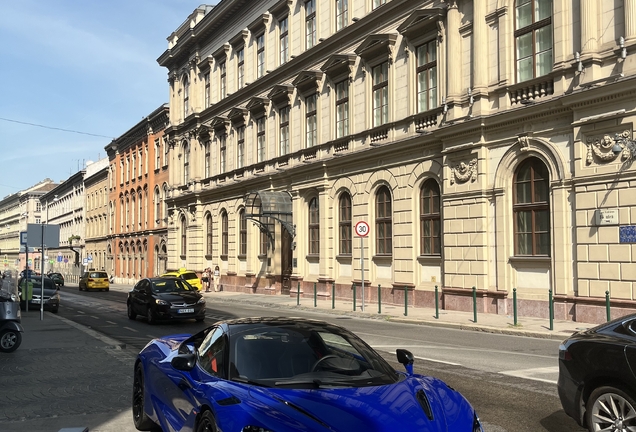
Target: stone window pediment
(258, 25)
(339, 65)
(377, 46)
(206, 64)
(307, 81)
(221, 53)
(281, 94)
(422, 21)
(238, 41)
(257, 105)
(220, 124)
(238, 115)
(281, 9)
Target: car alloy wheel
(141, 420)
(10, 340)
(610, 409)
(206, 423)
(131, 313)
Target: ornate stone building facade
(96, 187)
(476, 138)
(137, 186)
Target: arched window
(531, 209)
(186, 163)
(314, 227)
(186, 96)
(344, 223)
(430, 220)
(383, 222)
(140, 202)
(533, 38)
(157, 206)
(224, 234)
(242, 233)
(133, 206)
(208, 235)
(184, 240)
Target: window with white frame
(314, 227)
(378, 3)
(260, 55)
(240, 67)
(260, 139)
(342, 108)
(344, 224)
(186, 96)
(222, 152)
(186, 163)
(380, 75)
(240, 146)
(533, 38)
(127, 168)
(158, 206)
(426, 76)
(430, 219)
(157, 155)
(222, 79)
(311, 128)
(208, 235)
(310, 23)
(342, 14)
(242, 234)
(207, 159)
(283, 130)
(383, 222)
(184, 238)
(206, 93)
(284, 40)
(224, 234)
(531, 208)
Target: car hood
(188, 296)
(400, 406)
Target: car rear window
(98, 275)
(190, 275)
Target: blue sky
(88, 66)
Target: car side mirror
(184, 362)
(406, 358)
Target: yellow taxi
(94, 280)
(187, 275)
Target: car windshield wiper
(245, 380)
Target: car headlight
(477, 424)
(201, 301)
(161, 302)
(255, 429)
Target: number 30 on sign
(362, 229)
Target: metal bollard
(315, 295)
(436, 303)
(354, 297)
(406, 301)
(551, 311)
(333, 295)
(514, 303)
(379, 299)
(474, 304)
(607, 305)
(298, 295)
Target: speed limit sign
(362, 229)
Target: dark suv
(57, 278)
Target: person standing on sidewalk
(217, 276)
(205, 279)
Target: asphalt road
(510, 380)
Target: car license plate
(189, 310)
(36, 301)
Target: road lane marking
(531, 373)
(384, 348)
(437, 361)
(110, 322)
(131, 329)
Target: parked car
(287, 375)
(188, 276)
(597, 385)
(94, 280)
(32, 273)
(57, 278)
(165, 298)
(34, 287)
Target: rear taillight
(564, 354)
(91, 280)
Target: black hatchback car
(165, 298)
(31, 290)
(597, 380)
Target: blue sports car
(287, 375)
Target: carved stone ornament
(463, 172)
(524, 142)
(601, 149)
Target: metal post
(436, 303)
(25, 290)
(354, 296)
(362, 268)
(607, 305)
(379, 299)
(42, 273)
(315, 295)
(514, 303)
(298, 295)
(550, 310)
(474, 304)
(333, 295)
(406, 301)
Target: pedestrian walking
(217, 276)
(205, 279)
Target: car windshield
(190, 276)
(305, 357)
(170, 286)
(37, 283)
(98, 275)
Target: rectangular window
(263, 244)
(380, 94)
(260, 55)
(342, 109)
(240, 68)
(426, 76)
(243, 235)
(284, 130)
(342, 11)
(208, 159)
(206, 79)
(310, 23)
(378, 3)
(121, 172)
(134, 166)
(284, 40)
(222, 151)
(314, 227)
(311, 129)
(223, 79)
(533, 39)
(260, 139)
(240, 146)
